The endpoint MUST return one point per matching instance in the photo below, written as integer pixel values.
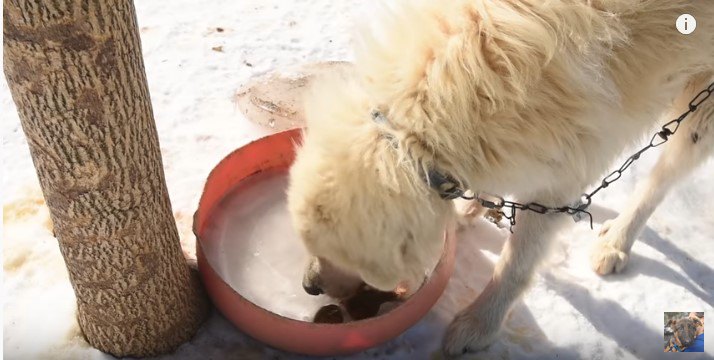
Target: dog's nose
(312, 289)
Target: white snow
(569, 312)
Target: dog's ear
(671, 322)
(697, 321)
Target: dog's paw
(606, 258)
(469, 332)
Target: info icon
(686, 24)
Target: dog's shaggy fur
(530, 98)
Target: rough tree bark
(76, 74)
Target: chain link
(507, 209)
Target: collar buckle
(445, 185)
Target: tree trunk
(76, 74)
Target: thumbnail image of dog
(683, 331)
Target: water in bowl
(254, 248)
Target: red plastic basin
(276, 152)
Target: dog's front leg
(467, 212)
(688, 149)
(476, 327)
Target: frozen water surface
(255, 250)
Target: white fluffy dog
(535, 99)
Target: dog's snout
(312, 289)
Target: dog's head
(359, 213)
(684, 330)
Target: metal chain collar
(450, 188)
(578, 210)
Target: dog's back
(587, 78)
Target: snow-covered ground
(568, 313)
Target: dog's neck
(443, 183)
